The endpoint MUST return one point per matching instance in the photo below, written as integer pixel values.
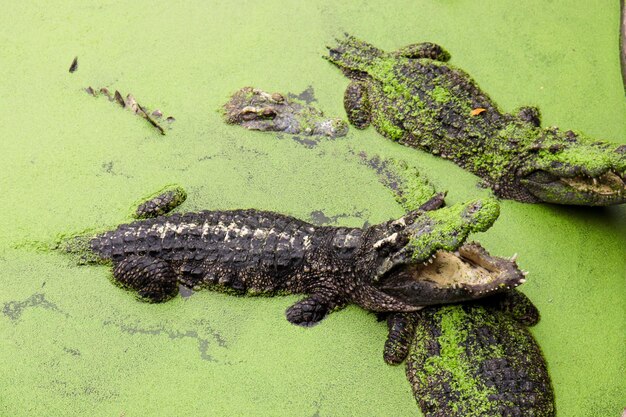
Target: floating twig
(74, 65)
(131, 103)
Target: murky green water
(73, 344)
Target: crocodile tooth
(514, 257)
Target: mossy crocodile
(473, 360)
(415, 97)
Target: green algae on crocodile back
(415, 97)
(471, 362)
(474, 360)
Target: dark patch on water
(73, 390)
(184, 291)
(107, 167)
(319, 218)
(203, 340)
(308, 143)
(385, 174)
(14, 309)
(73, 352)
(308, 95)
(317, 404)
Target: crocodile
(413, 96)
(256, 109)
(254, 252)
(476, 359)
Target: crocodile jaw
(447, 277)
(607, 188)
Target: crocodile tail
(78, 247)
(353, 55)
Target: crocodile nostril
(621, 149)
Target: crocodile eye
(268, 112)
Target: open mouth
(465, 274)
(606, 188)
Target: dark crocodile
(259, 252)
(415, 97)
(473, 360)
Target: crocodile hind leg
(423, 50)
(311, 310)
(357, 105)
(152, 279)
(401, 331)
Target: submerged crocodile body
(473, 360)
(256, 109)
(260, 252)
(415, 97)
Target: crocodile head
(428, 262)
(568, 168)
(417, 236)
(467, 273)
(256, 109)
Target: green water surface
(72, 344)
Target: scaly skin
(259, 252)
(257, 110)
(161, 202)
(414, 97)
(473, 360)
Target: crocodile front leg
(311, 310)
(401, 331)
(357, 105)
(152, 279)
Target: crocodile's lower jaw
(468, 273)
(606, 189)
